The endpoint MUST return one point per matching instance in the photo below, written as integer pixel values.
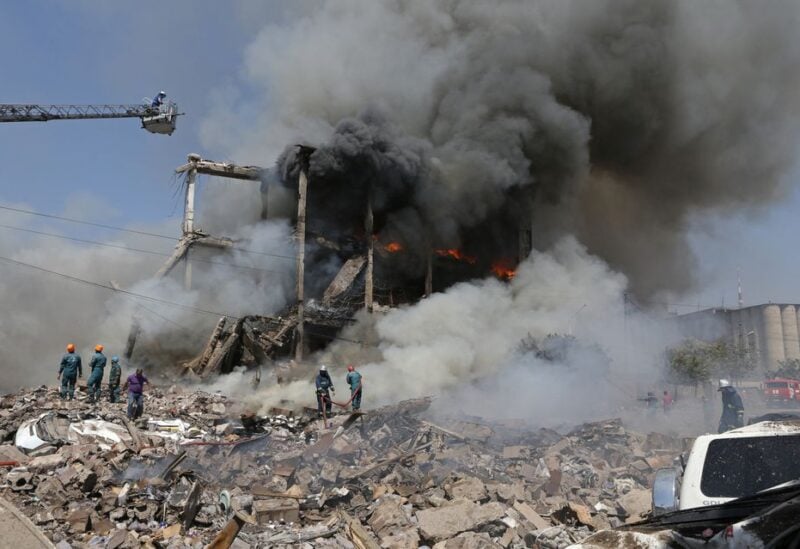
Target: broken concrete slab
(389, 515)
(19, 532)
(47, 463)
(20, 479)
(276, 510)
(469, 540)
(11, 453)
(635, 503)
(531, 515)
(469, 488)
(446, 522)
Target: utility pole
(189, 235)
(739, 286)
(188, 217)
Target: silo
(754, 336)
(791, 343)
(798, 321)
(773, 336)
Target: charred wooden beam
(223, 354)
(211, 346)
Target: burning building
(471, 135)
(355, 250)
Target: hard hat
(98, 348)
(350, 368)
(323, 368)
(115, 358)
(162, 92)
(723, 383)
(70, 347)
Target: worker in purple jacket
(135, 386)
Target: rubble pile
(196, 468)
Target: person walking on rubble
(97, 366)
(666, 402)
(354, 380)
(69, 372)
(114, 377)
(652, 402)
(732, 407)
(324, 385)
(135, 386)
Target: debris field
(199, 471)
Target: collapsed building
(359, 246)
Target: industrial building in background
(768, 333)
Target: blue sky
(91, 51)
(85, 52)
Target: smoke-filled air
(614, 123)
(600, 129)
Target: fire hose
(324, 397)
(352, 396)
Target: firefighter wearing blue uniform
(69, 372)
(324, 385)
(732, 407)
(114, 377)
(158, 100)
(354, 380)
(97, 366)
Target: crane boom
(43, 113)
(154, 119)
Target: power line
(129, 249)
(148, 298)
(165, 318)
(60, 218)
(106, 287)
(133, 231)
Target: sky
(111, 171)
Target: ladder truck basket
(163, 119)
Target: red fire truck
(782, 391)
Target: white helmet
(323, 368)
(723, 383)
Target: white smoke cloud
(462, 345)
(43, 312)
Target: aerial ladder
(156, 116)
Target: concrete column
(300, 342)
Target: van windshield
(777, 385)
(737, 467)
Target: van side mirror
(666, 491)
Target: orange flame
(503, 270)
(393, 247)
(457, 255)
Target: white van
(731, 465)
